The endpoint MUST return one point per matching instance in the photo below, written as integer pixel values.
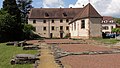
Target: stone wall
(46, 33)
(95, 27)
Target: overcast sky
(104, 7)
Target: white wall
(78, 32)
(109, 27)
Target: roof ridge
(88, 11)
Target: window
(61, 27)
(61, 20)
(34, 21)
(53, 28)
(110, 21)
(44, 21)
(46, 14)
(44, 28)
(105, 27)
(52, 21)
(67, 20)
(111, 27)
(67, 27)
(64, 14)
(82, 24)
(74, 25)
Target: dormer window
(64, 14)
(106, 21)
(46, 14)
(110, 21)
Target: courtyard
(50, 48)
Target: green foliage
(106, 41)
(11, 26)
(67, 35)
(117, 20)
(11, 7)
(28, 28)
(7, 26)
(7, 52)
(12, 21)
(28, 32)
(24, 6)
(117, 30)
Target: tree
(116, 30)
(24, 6)
(6, 26)
(117, 20)
(28, 31)
(11, 8)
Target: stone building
(86, 24)
(108, 23)
(58, 22)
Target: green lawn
(7, 52)
(107, 41)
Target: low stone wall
(59, 53)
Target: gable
(87, 12)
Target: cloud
(53, 3)
(104, 7)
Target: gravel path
(47, 59)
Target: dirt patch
(93, 61)
(82, 47)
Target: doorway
(61, 35)
(51, 35)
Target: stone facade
(50, 28)
(61, 22)
(93, 28)
(86, 24)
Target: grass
(7, 52)
(107, 41)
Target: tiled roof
(108, 20)
(64, 13)
(87, 12)
(55, 13)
